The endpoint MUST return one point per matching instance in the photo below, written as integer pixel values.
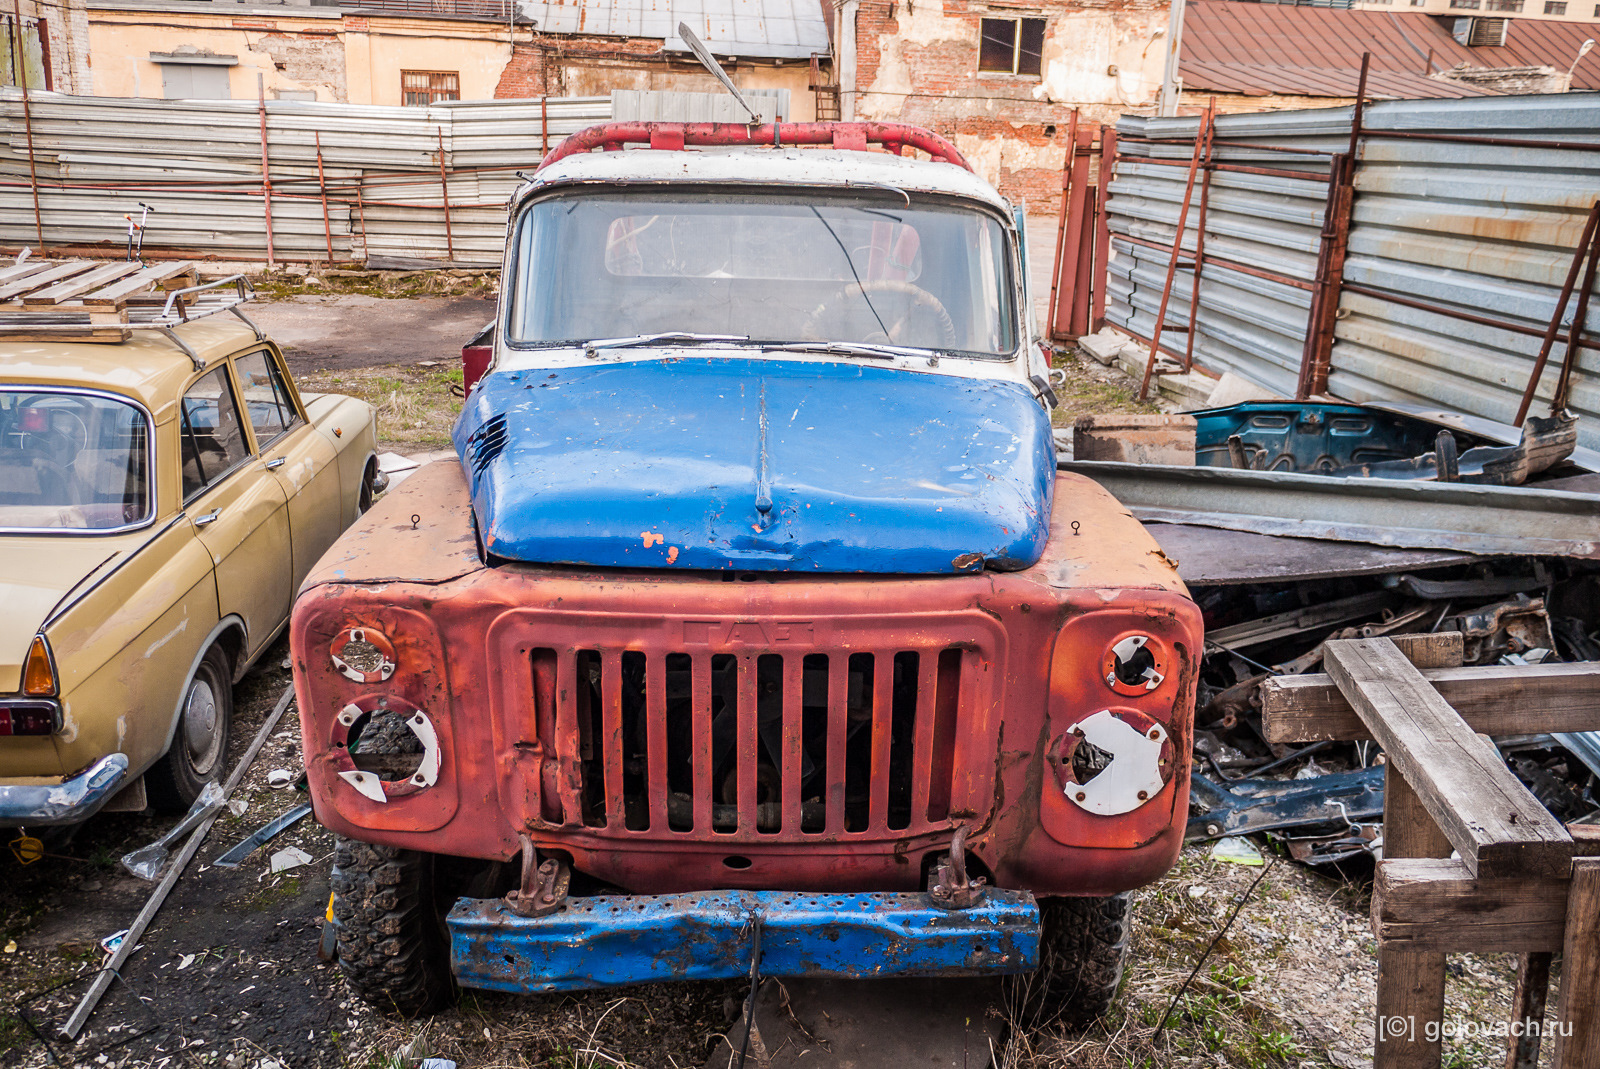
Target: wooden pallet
(85, 300)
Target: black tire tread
(170, 783)
(1084, 946)
(391, 947)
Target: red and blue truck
(755, 619)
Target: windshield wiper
(846, 348)
(589, 348)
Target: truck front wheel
(393, 946)
(1083, 947)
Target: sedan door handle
(277, 462)
(210, 517)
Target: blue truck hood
(755, 464)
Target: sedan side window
(213, 437)
(266, 398)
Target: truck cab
(755, 596)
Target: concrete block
(1233, 388)
(1103, 346)
(1135, 439)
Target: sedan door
(238, 508)
(303, 461)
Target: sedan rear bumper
(626, 939)
(68, 802)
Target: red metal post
(1083, 288)
(266, 175)
(1584, 243)
(444, 190)
(1177, 251)
(1061, 218)
(544, 127)
(1199, 244)
(322, 185)
(1102, 235)
(1061, 324)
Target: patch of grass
(1090, 389)
(389, 284)
(416, 404)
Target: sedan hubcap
(200, 726)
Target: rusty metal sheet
(1215, 556)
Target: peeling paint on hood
(755, 464)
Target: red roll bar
(857, 136)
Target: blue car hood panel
(756, 464)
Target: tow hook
(951, 888)
(544, 886)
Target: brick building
(48, 49)
(1001, 78)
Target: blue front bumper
(68, 802)
(629, 939)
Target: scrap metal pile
(1301, 522)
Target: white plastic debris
(279, 778)
(290, 857)
(1237, 850)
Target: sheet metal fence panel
(1482, 229)
(198, 163)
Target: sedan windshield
(71, 461)
(775, 269)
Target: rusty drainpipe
(266, 176)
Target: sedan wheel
(201, 741)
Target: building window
(1011, 46)
(1555, 7)
(1504, 5)
(426, 87)
(190, 74)
(1470, 4)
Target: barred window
(1555, 7)
(426, 87)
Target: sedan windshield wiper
(590, 348)
(846, 348)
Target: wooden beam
(1444, 649)
(119, 291)
(67, 289)
(26, 282)
(1494, 699)
(1498, 827)
(1527, 1010)
(1410, 982)
(1578, 1009)
(1437, 905)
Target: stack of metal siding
(198, 164)
(1483, 229)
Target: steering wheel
(920, 298)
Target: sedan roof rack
(101, 301)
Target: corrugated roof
(752, 29)
(1276, 49)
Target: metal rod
(1231, 265)
(1470, 139)
(1360, 108)
(1580, 318)
(130, 941)
(1584, 341)
(327, 229)
(1229, 143)
(444, 189)
(544, 127)
(1073, 312)
(1199, 247)
(266, 176)
(1319, 293)
(27, 125)
(1177, 254)
(1561, 310)
(1239, 168)
(1061, 217)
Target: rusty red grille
(750, 745)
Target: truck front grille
(751, 745)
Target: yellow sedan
(161, 498)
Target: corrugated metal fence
(1462, 227)
(346, 182)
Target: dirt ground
(228, 974)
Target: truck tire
(1083, 947)
(393, 947)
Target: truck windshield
(776, 268)
(71, 461)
